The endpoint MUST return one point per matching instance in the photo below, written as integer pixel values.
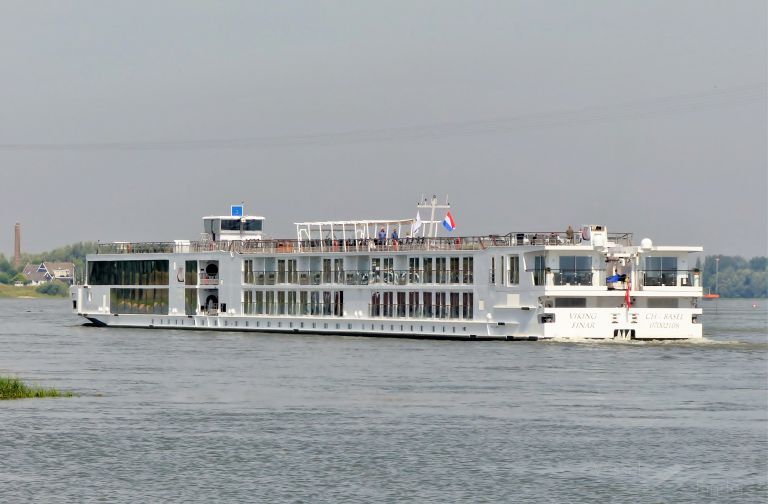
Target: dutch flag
(448, 222)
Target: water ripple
(233, 417)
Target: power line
(639, 109)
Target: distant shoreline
(26, 292)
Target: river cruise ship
(397, 278)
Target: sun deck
(331, 245)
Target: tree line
(735, 276)
(74, 253)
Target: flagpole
(432, 218)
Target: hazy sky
(131, 120)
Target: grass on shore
(10, 291)
(13, 388)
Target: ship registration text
(583, 320)
(664, 320)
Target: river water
(165, 415)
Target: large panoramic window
(138, 301)
(145, 272)
(660, 271)
(575, 270)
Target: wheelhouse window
(230, 224)
(241, 225)
(252, 225)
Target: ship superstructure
(400, 278)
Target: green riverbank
(13, 388)
(10, 291)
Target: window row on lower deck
(319, 303)
(358, 277)
(447, 305)
(450, 305)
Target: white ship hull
(516, 287)
(598, 324)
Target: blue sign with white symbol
(237, 210)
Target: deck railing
(420, 311)
(358, 277)
(670, 278)
(298, 309)
(588, 277)
(383, 310)
(352, 245)
(208, 279)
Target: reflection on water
(201, 416)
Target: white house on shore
(48, 271)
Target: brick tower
(17, 247)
